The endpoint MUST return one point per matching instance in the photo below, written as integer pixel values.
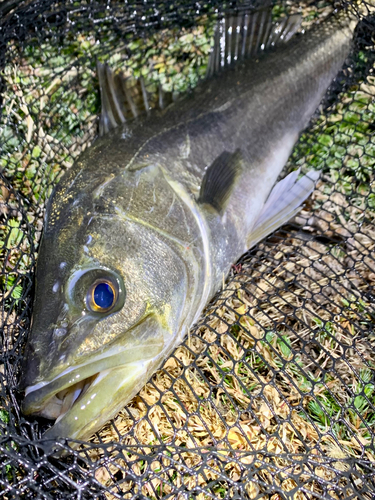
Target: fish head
(109, 296)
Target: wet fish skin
(128, 209)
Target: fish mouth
(83, 398)
(55, 407)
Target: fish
(140, 231)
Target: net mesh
(272, 395)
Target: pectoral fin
(282, 204)
(220, 179)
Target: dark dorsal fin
(220, 179)
(247, 34)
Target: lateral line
(142, 222)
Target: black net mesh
(272, 395)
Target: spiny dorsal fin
(124, 98)
(220, 179)
(111, 114)
(246, 34)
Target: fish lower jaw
(96, 404)
(61, 402)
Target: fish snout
(31, 366)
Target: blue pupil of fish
(103, 296)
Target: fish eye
(102, 296)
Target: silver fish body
(157, 211)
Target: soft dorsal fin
(220, 179)
(246, 34)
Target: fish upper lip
(40, 395)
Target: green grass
(8, 468)
(342, 143)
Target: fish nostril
(60, 332)
(31, 367)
